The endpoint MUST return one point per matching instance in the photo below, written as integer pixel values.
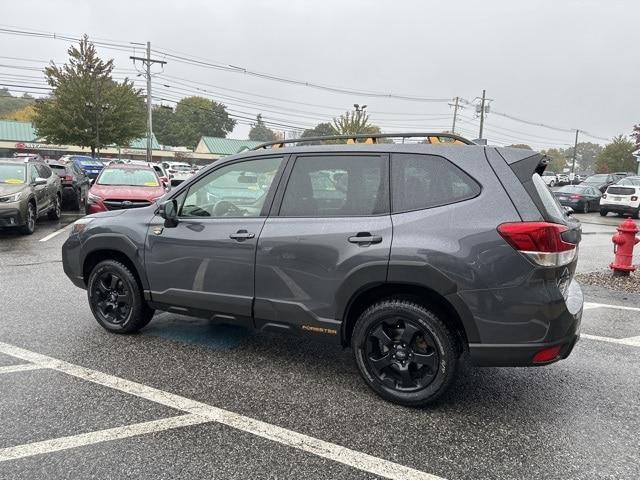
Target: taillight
(576, 197)
(634, 198)
(604, 195)
(540, 242)
(547, 355)
(68, 178)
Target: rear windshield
(573, 189)
(59, 169)
(551, 205)
(13, 173)
(630, 181)
(130, 177)
(621, 190)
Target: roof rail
(371, 138)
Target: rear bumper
(618, 208)
(521, 354)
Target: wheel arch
(449, 308)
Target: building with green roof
(224, 146)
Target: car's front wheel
(30, 221)
(404, 352)
(115, 298)
(603, 213)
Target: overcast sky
(567, 63)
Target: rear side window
(43, 170)
(550, 203)
(337, 186)
(426, 181)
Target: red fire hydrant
(623, 243)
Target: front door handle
(362, 238)
(242, 235)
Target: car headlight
(14, 197)
(80, 225)
(91, 198)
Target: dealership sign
(40, 146)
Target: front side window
(426, 181)
(337, 185)
(236, 190)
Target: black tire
(428, 338)
(603, 213)
(585, 207)
(55, 211)
(30, 222)
(76, 200)
(115, 298)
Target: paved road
(186, 399)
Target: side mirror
(568, 211)
(40, 181)
(92, 181)
(169, 211)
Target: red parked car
(121, 186)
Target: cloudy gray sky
(566, 63)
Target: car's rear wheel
(603, 213)
(30, 222)
(115, 298)
(56, 210)
(404, 352)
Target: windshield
(597, 179)
(13, 173)
(130, 177)
(572, 189)
(635, 181)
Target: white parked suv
(550, 178)
(178, 171)
(622, 198)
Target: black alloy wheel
(401, 355)
(112, 298)
(115, 298)
(405, 352)
(30, 222)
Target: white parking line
(590, 305)
(19, 368)
(54, 234)
(90, 438)
(290, 438)
(629, 341)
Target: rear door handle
(242, 235)
(365, 237)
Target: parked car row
(622, 197)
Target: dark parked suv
(413, 254)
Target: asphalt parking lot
(187, 399)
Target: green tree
(87, 107)
(617, 157)
(636, 135)
(10, 104)
(558, 159)
(260, 132)
(353, 123)
(163, 120)
(320, 130)
(586, 156)
(195, 117)
(524, 146)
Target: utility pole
(147, 61)
(482, 112)
(575, 152)
(455, 115)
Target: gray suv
(412, 254)
(28, 190)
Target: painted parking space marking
(630, 341)
(91, 438)
(200, 413)
(20, 368)
(54, 234)
(590, 305)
